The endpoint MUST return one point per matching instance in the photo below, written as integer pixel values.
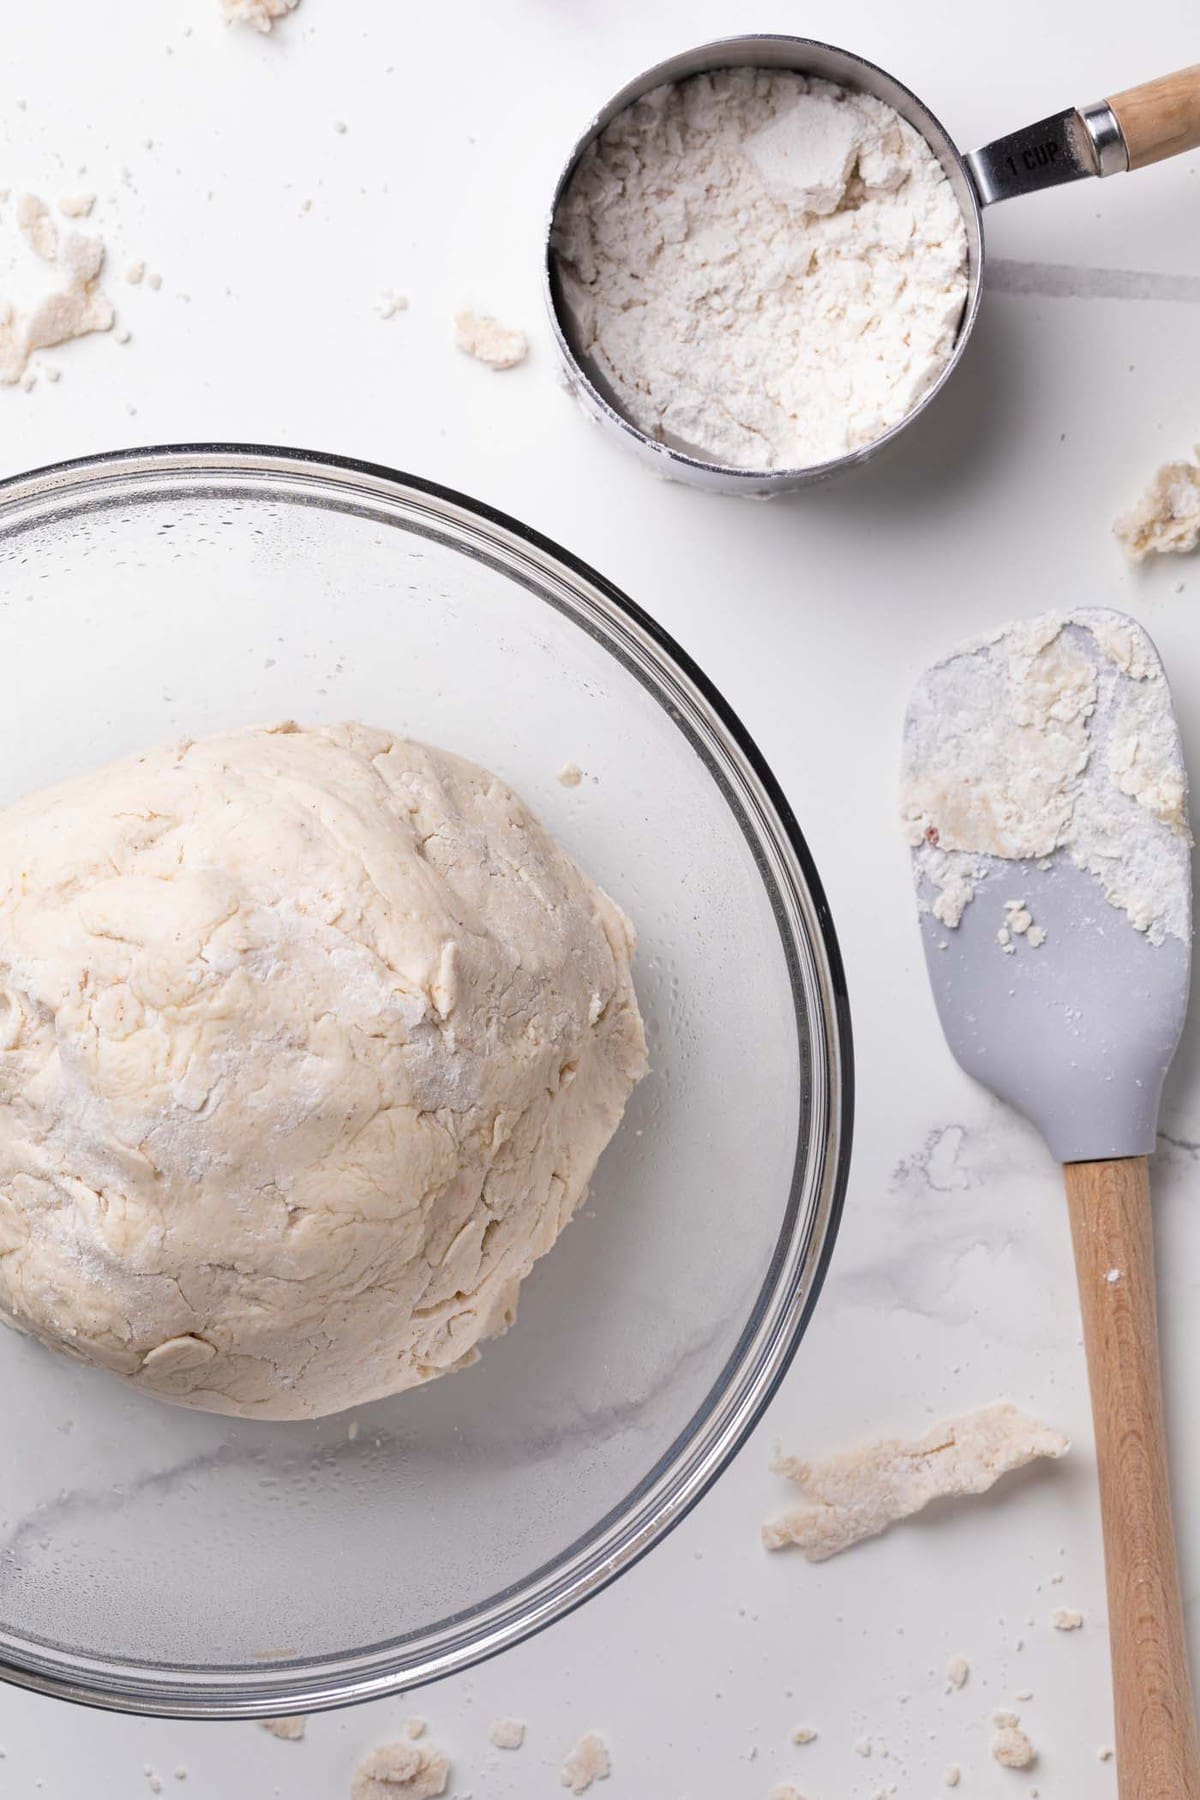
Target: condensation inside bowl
(130, 1529)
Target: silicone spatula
(1061, 976)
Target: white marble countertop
(952, 1284)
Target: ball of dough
(310, 1040)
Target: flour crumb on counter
(489, 342)
(589, 1761)
(290, 1727)
(401, 1771)
(261, 14)
(804, 1734)
(507, 1734)
(1105, 1753)
(414, 1728)
(953, 1775)
(784, 1790)
(957, 1670)
(1065, 1618)
(74, 310)
(1010, 1745)
(863, 1747)
(76, 206)
(857, 1494)
(1166, 520)
(390, 303)
(570, 775)
(134, 272)
(37, 227)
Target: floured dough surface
(856, 1494)
(310, 1040)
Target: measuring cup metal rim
(1083, 141)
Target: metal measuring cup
(1139, 126)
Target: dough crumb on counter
(570, 775)
(76, 206)
(1031, 741)
(953, 1775)
(489, 342)
(390, 303)
(414, 1728)
(401, 1771)
(804, 1734)
(1166, 519)
(1010, 1745)
(957, 1670)
(1065, 1618)
(589, 1761)
(74, 310)
(262, 14)
(784, 1790)
(1105, 1753)
(291, 1727)
(507, 1734)
(856, 1494)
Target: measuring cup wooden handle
(1160, 118)
(1157, 1755)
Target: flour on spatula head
(1052, 735)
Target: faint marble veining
(960, 1235)
(1065, 281)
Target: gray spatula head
(1045, 797)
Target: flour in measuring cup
(763, 268)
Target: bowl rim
(311, 1684)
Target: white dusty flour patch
(764, 269)
(1051, 736)
(1166, 519)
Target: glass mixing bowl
(161, 1560)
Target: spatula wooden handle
(1157, 1755)
(1160, 118)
